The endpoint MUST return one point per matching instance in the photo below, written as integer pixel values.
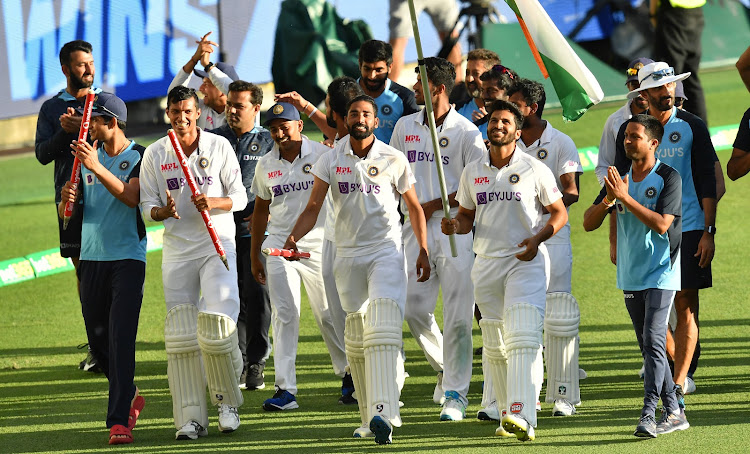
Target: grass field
(47, 405)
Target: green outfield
(48, 405)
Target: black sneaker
(646, 427)
(671, 422)
(680, 395)
(243, 378)
(254, 377)
(347, 390)
(89, 364)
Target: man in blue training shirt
(688, 149)
(112, 266)
(649, 232)
(250, 143)
(393, 100)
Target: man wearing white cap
(687, 147)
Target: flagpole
(431, 122)
(532, 46)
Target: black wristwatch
(208, 67)
(711, 229)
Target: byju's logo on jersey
(344, 187)
(280, 189)
(674, 137)
(651, 192)
(415, 156)
(89, 179)
(481, 198)
(173, 183)
(386, 109)
(411, 155)
(277, 190)
(542, 154)
(484, 198)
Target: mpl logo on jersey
(343, 171)
(169, 167)
(423, 156)
(484, 198)
(348, 188)
(412, 138)
(177, 183)
(274, 174)
(281, 189)
(481, 180)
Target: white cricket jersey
(329, 232)
(365, 196)
(288, 185)
(559, 153)
(460, 143)
(608, 143)
(217, 173)
(508, 202)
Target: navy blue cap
(226, 68)
(283, 111)
(634, 66)
(108, 104)
(679, 90)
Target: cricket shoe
(191, 431)
(438, 396)
(671, 422)
(89, 364)
(253, 377)
(689, 386)
(489, 413)
(501, 432)
(229, 418)
(347, 390)
(453, 408)
(281, 400)
(646, 427)
(517, 424)
(563, 408)
(382, 430)
(363, 431)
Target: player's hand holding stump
(68, 192)
(291, 244)
(86, 153)
(449, 226)
(202, 202)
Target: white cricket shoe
(517, 424)
(453, 407)
(563, 408)
(438, 396)
(229, 418)
(489, 413)
(191, 431)
(363, 431)
(689, 387)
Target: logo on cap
(444, 142)
(542, 154)
(373, 171)
(514, 178)
(277, 109)
(306, 168)
(203, 162)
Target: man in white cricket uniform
(201, 294)
(282, 184)
(558, 152)
(366, 178)
(510, 270)
(460, 143)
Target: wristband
(152, 213)
(315, 109)
(208, 67)
(607, 202)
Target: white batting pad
(523, 342)
(217, 337)
(187, 383)
(382, 343)
(355, 354)
(496, 359)
(561, 321)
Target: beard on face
(504, 140)
(78, 82)
(330, 121)
(357, 134)
(473, 89)
(377, 84)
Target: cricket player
(511, 268)
(113, 255)
(460, 143)
(648, 199)
(366, 178)
(250, 143)
(216, 79)
(201, 294)
(57, 126)
(282, 185)
(558, 152)
(739, 163)
(478, 62)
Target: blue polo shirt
(395, 102)
(466, 111)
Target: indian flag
(576, 87)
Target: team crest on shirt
(514, 178)
(203, 162)
(443, 142)
(277, 109)
(124, 165)
(373, 171)
(254, 147)
(675, 137)
(542, 154)
(651, 192)
(306, 168)
(386, 109)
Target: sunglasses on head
(503, 70)
(101, 108)
(660, 74)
